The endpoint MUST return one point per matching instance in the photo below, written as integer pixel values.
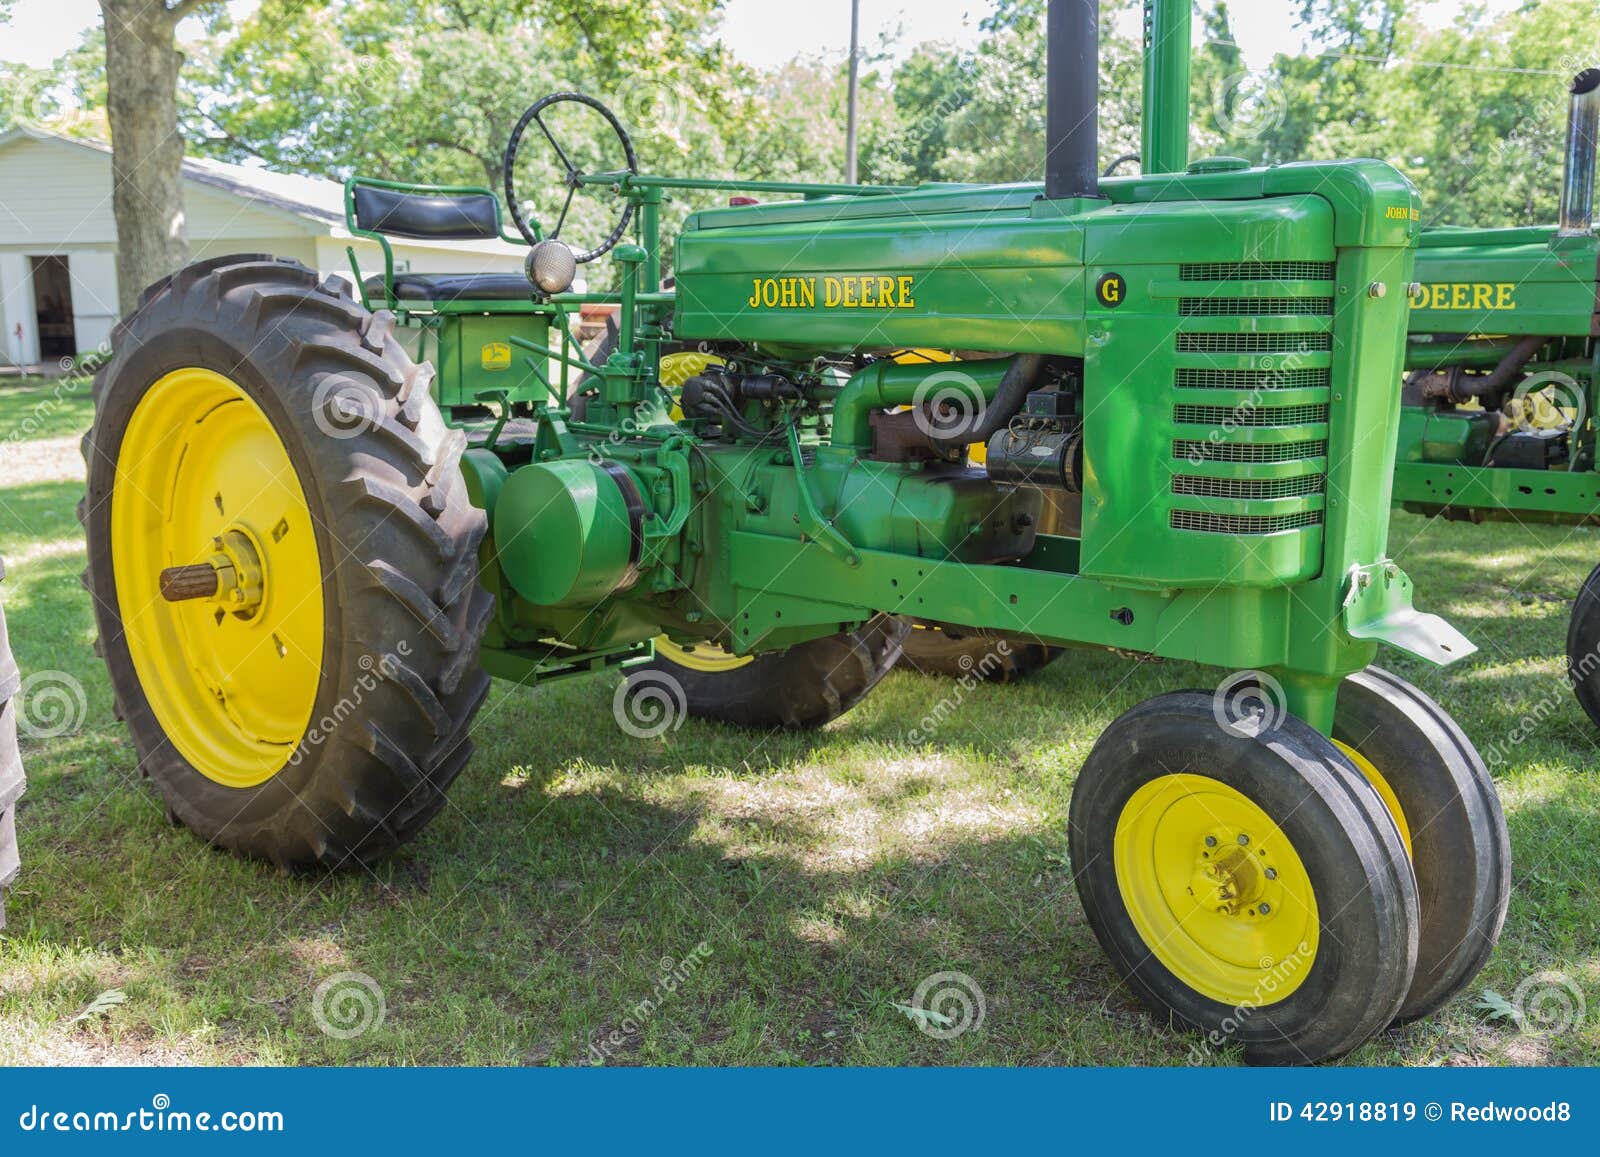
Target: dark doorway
(52, 304)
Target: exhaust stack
(1578, 168)
(1072, 99)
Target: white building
(58, 238)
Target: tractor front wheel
(1251, 887)
(1445, 806)
(283, 561)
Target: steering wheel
(573, 174)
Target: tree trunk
(142, 61)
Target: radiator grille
(1246, 415)
(1197, 451)
(1253, 306)
(1261, 501)
(1254, 343)
(1258, 271)
(1190, 378)
(1263, 489)
(1243, 523)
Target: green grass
(826, 875)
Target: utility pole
(850, 102)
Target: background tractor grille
(1253, 306)
(1258, 271)
(1254, 343)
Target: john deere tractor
(1502, 361)
(1503, 376)
(310, 551)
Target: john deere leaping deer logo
(495, 356)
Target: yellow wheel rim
(675, 369)
(202, 477)
(700, 656)
(1385, 792)
(1216, 890)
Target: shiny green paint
(574, 502)
(762, 544)
(1532, 283)
(1164, 128)
(474, 357)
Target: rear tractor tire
(798, 688)
(936, 650)
(307, 701)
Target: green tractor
(1502, 361)
(1498, 414)
(310, 550)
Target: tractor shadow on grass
(713, 896)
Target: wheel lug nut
(1264, 908)
(1272, 873)
(1243, 839)
(1211, 841)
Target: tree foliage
(427, 90)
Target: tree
(998, 134)
(142, 63)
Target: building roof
(315, 199)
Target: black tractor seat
(453, 287)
